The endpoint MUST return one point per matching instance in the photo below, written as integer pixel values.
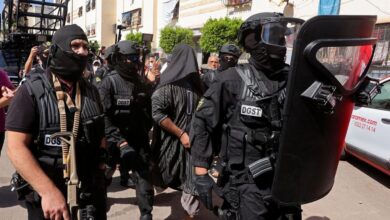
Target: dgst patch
(251, 111)
(123, 102)
(52, 142)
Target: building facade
(99, 18)
(96, 17)
(137, 16)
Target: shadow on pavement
(8, 198)
(126, 200)
(318, 218)
(172, 199)
(115, 186)
(370, 171)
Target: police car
(368, 136)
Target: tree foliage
(170, 36)
(217, 32)
(94, 45)
(135, 37)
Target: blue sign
(329, 7)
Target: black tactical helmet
(254, 23)
(127, 47)
(230, 49)
(108, 52)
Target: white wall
(104, 24)
(147, 8)
(103, 16)
(194, 13)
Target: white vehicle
(368, 136)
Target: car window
(382, 100)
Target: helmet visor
(281, 32)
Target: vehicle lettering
(364, 126)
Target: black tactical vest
(91, 129)
(255, 117)
(130, 110)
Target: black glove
(128, 155)
(204, 184)
(367, 91)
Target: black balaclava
(224, 63)
(228, 56)
(266, 58)
(126, 70)
(63, 61)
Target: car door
(368, 134)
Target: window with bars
(93, 5)
(88, 5)
(132, 19)
(80, 12)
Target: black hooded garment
(176, 97)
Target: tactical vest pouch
(232, 195)
(258, 137)
(236, 147)
(93, 128)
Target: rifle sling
(62, 99)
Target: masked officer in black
(58, 99)
(228, 57)
(245, 103)
(127, 105)
(113, 153)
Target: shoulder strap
(111, 77)
(252, 86)
(39, 88)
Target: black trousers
(141, 168)
(255, 202)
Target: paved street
(360, 192)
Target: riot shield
(330, 59)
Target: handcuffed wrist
(181, 134)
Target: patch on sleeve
(200, 104)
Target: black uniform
(245, 103)
(230, 105)
(128, 119)
(34, 110)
